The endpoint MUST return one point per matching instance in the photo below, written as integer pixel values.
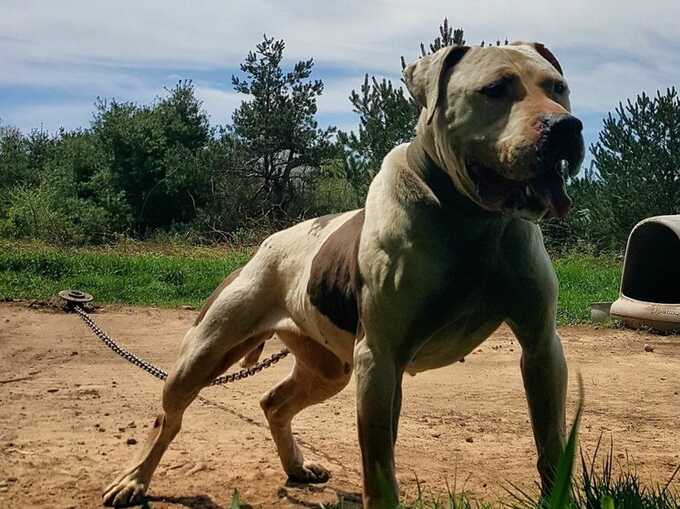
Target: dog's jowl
(446, 249)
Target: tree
(637, 158)
(387, 117)
(152, 155)
(49, 191)
(22, 156)
(278, 143)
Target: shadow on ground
(195, 502)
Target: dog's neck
(433, 174)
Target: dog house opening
(652, 269)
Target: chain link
(158, 372)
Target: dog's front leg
(544, 371)
(378, 403)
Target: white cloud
(218, 103)
(368, 34)
(335, 97)
(593, 90)
(345, 126)
(49, 117)
(69, 77)
(611, 49)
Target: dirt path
(70, 409)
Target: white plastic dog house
(650, 283)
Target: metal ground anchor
(75, 298)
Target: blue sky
(57, 57)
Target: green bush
(42, 213)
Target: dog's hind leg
(317, 375)
(235, 326)
(180, 389)
(253, 356)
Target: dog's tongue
(552, 186)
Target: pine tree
(387, 117)
(637, 158)
(275, 130)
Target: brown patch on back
(334, 281)
(216, 292)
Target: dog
(446, 249)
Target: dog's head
(498, 119)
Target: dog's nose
(561, 124)
(562, 139)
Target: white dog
(445, 250)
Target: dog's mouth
(532, 198)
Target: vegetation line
(185, 276)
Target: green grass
(584, 280)
(174, 275)
(142, 278)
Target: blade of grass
(607, 502)
(235, 500)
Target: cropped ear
(547, 54)
(424, 78)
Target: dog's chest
(460, 310)
(453, 341)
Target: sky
(58, 56)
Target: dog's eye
(495, 90)
(560, 88)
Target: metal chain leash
(252, 370)
(74, 298)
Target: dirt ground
(71, 412)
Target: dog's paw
(125, 492)
(309, 473)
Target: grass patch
(143, 278)
(584, 280)
(169, 275)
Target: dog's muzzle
(559, 156)
(555, 157)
